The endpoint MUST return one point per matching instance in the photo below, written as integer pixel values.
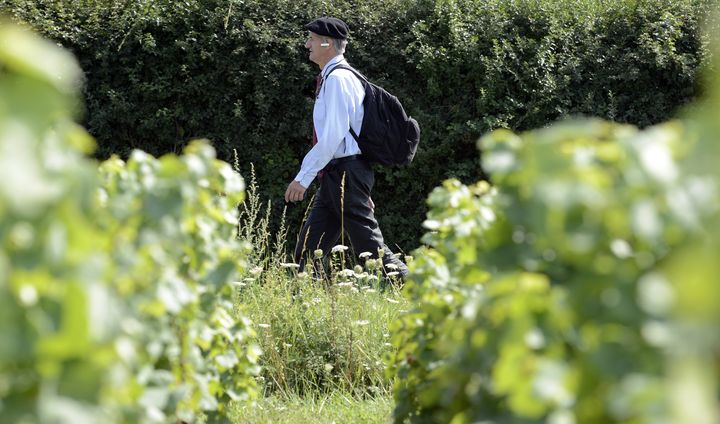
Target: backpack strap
(359, 76)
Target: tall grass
(320, 337)
(254, 226)
(334, 408)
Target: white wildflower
(346, 273)
(392, 300)
(289, 265)
(362, 322)
(371, 264)
(264, 325)
(339, 248)
(365, 254)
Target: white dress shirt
(337, 107)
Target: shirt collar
(334, 61)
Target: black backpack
(388, 135)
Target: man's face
(318, 54)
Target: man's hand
(295, 192)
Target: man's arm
(338, 100)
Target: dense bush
(115, 285)
(576, 289)
(159, 73)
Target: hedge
(116, 278)
(580, 287)
(163, 72)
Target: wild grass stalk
(254, 227)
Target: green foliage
(172, 222)
(577, 288)
(163, 72)
(55, 340)
(115, 284)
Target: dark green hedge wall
(235, 71)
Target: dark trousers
(344, 205)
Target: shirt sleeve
(330, 129)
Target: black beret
(331, 27)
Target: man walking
(346, 180)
